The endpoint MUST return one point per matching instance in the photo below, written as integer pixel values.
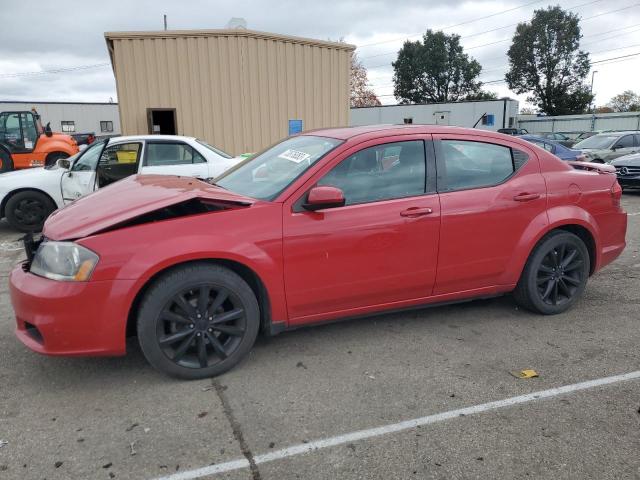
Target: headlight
(66, 261)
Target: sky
(53, 51)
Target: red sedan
(329, 224)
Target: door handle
(526, 197)
(416, 212)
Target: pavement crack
(236, 428)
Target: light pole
(593, 74)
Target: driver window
(383, 172)
(89, 159)
(12, 134)
(117, 162)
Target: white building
(102, 119)
(587, 122)
(488, 114)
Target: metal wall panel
(87, 116)
(236, 89)
(461, 114)
(581, 123)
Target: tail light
(616, 194)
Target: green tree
(435, 69)
(482, 95)
(545, 61)
(627, 101)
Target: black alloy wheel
(197, 321)
(560, 274)
(201, 326)
(555, 274)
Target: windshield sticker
(294, 156)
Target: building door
(442, 118)
(162, 121)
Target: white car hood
(44, 179)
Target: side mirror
(324, 197)
(64, 163)
(614, 148)
(47, 130)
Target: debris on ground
(132, 448)
(58, 464)
(528, 373)
(368, 375)
(3, 443)
(301, 365)
(207, 388)
(203, 414)
(133, 425)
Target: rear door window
(165, 153)
(464, 164)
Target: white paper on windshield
(28, 144)
(294, 156)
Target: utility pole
(593, 74)
(165, 27)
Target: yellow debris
(525, 373)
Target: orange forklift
(24, 143)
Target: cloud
(43, 36)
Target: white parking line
(397, 427)
(633, 214)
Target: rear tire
(198, 321)
(555, 274)
(52, 158)
(27, 211)
(6, 163)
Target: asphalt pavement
(336, 401)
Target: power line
(457, 24)
(508, 39)
(57, 70)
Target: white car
(28, 197)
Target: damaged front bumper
(70, 318)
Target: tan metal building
(240, 90)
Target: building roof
(235, 32)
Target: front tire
(198, 321)
(27, 211)
(555, 275)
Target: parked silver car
(605, 147)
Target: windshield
(88, 161)
(267, 174)
(213, 149)
(597, 142)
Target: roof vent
(237, 22)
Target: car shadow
(132, 370)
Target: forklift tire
(6, 164)
(53, 157)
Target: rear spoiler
(593, 167)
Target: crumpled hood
(128, 199)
